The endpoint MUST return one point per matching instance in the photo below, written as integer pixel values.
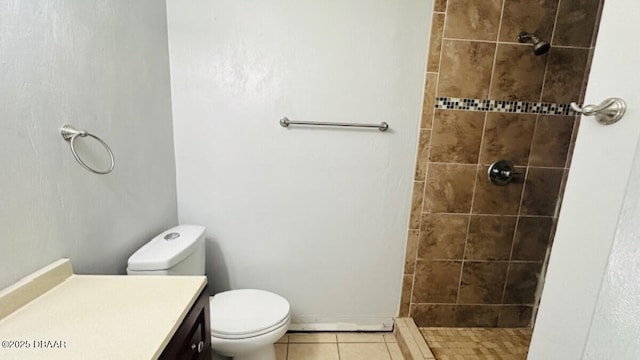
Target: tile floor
(338, 346)
(478, 343)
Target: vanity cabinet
(192, 340)
(125, 310)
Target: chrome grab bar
(285, 122)
(607, 112)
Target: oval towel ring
(70, 134)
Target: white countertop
(100, 317)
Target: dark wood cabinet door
(192, 340)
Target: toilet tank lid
(167, 248)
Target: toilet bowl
(245, 323)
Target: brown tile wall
(475, 251)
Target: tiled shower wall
(475, 251)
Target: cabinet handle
(199, 347)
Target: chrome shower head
(540, 47)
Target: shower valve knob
(502, 172)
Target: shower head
(540, 47)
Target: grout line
(487, 164)
(471, 40)
(413, 280)
(515, 230)
(428, 155)
(444, 27)
(544, 76)
(514, 43)
(596, 24)
(585, 76)
(495, 53)
(489, 214)
(473, 196)
(477, 304)
(424, 188)
(555, 22)
(426, 174)
(546, 66)
(486, 261)
(572, 143)
(386, 345)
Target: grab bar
(285, 122)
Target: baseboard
(314, 323)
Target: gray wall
(102, 66)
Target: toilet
(245, 323)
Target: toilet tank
(177, 251)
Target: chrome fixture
(285, 122)
(607, 112)
(502, 172)
(540, 47)
(70, 134)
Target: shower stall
(477, 251)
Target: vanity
(55, 314)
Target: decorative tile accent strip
(519, 107)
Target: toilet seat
(246, 313)
(284, 322)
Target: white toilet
(244, 323)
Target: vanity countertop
(55, 314)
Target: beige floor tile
(360, 337)
(390, 338)
(313, 352)
(312, 338)
(281, 351)
(357, 351)
(394, 351)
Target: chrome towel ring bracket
(70, 134)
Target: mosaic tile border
(518, 107)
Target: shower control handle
(502, 172)
(607, 112)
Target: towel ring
(70, 134)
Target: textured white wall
(102, 66)
(590, 217)
(615, 329)
(317, 215)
